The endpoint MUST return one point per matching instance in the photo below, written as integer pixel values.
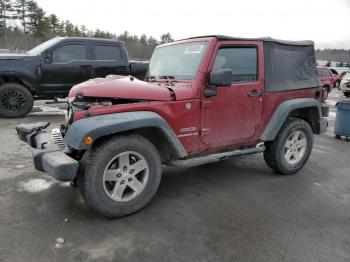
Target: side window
(242, 60)
(319, 72)
(69, 52)
(107, 52)
(334, 72)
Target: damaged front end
(50, 154)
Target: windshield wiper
(168, 77)
(150, 78)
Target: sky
(327, 22)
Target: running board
(197, 161)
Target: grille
(57, 139)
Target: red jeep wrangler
(205, 99)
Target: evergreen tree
(5, 9)
(39, 24)
(68, 28)
(54, 24)
(21, 8)
(5, 14)
(166, 38)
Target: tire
(276, 155)
(101, 177)
(337, 84)
(15, 100)
(328, 90)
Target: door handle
(255, 93)
(86, 69)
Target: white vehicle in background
(345, 84)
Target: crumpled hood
(126, 87)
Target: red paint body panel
(121, 87)
(326, 77)
(231, 119)
(126, 87)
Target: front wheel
(292, 147)
(119, 176)
(15, 100)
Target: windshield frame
(39, 49)
(174, 77)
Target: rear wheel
(120, 175)
(15, 100)
(292, 147)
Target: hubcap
(12, 101)
(125, 176)
(295, 147)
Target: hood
(127, 87)
(14, 56)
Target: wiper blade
(168, 77)
(150, 78)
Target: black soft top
(264, 39)
(289, 65)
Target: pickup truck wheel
(15, 100)
(120, 175)
(292, 147)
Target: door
(108, 59)
(232, 116)
(65, 66)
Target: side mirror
(221, 77)
(47, 57)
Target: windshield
(43, 46)
(179, 61)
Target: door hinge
(205, 131)
(206, 104)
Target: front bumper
(50, 153)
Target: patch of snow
(332, 115)
(331, 102)
(36, 185)
(20, 166)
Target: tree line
(334, 55)
(24, 24)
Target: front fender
(282, 112)
(104, 125)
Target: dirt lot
(236, 210)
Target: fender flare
(282, 112)
(104, 125)
(24, 79)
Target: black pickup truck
(53, 67)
